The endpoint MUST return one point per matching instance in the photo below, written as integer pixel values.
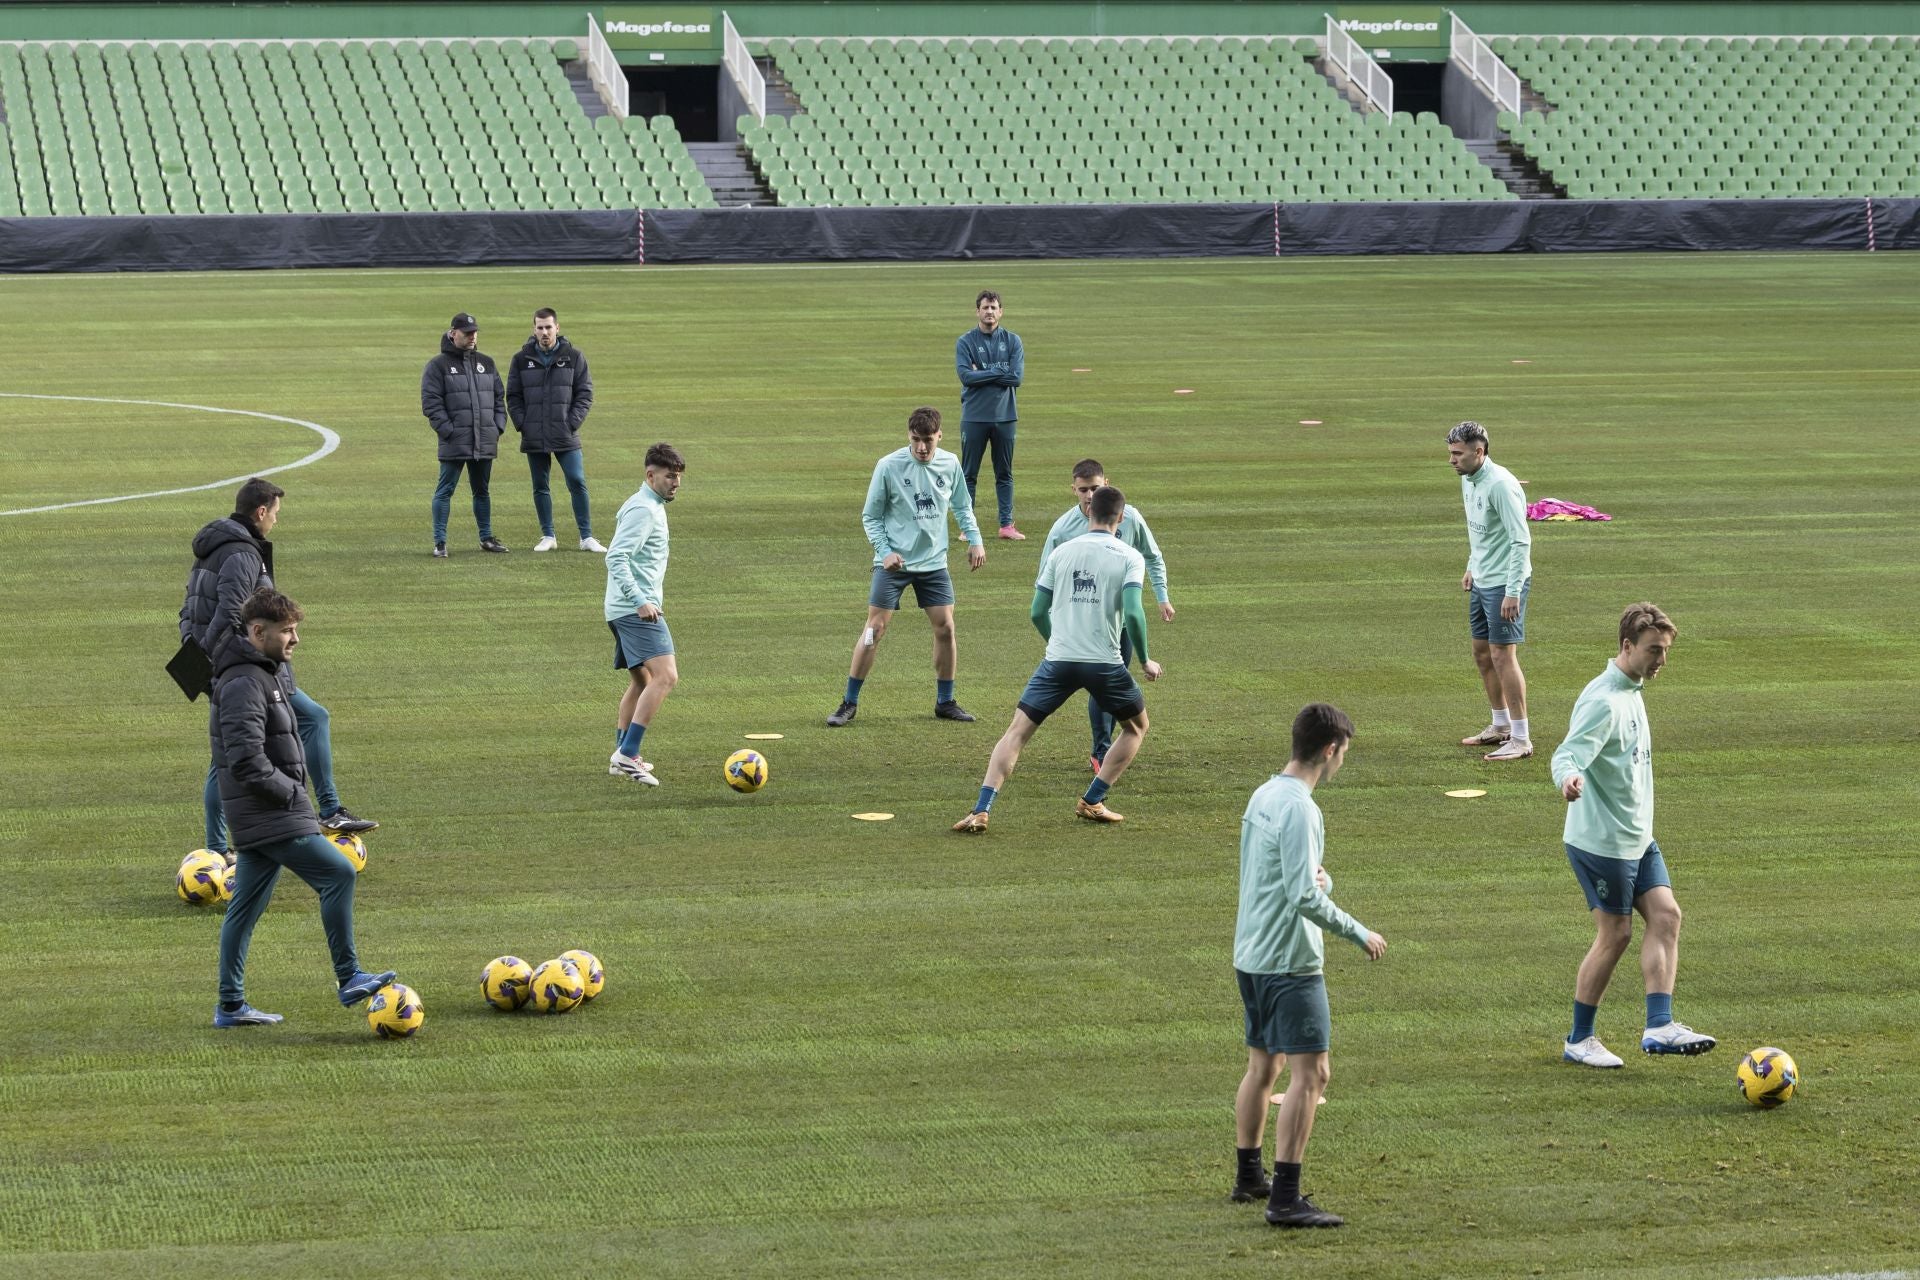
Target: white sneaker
(632, 768)
(546, 544)
(1511, 749)
(1675, 1037)
(593, 545)
(1590, 1053)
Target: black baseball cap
(465, 323)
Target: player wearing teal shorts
(636, 592)
(1089, 476)
(1498, 577)
(912, 492)
(1279, 960)
(1088, 595)
(1604, 771)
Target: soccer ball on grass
(592, 976)
(395, 1012)
(1766, 1077)
(557, 987)
(202, 878)
(746, 771)
(506, 983)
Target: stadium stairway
(781, 99)
(1516, 169)
(730, 174)
(583, 90)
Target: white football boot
(632, 768)
(547, 543)
(1675, 1037)
(1590, 1053)
(593, 545)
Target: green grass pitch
(845, 1049)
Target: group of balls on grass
(561, 985)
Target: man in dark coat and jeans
(231, 560)
(549, 393)
(466, 405)
(263, 783)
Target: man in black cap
(466, 405)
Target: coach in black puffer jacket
(256, 747)
(231, 560)
(466, 405)
(462, 396)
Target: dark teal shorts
(1286, 1012)
(931, 588)
(635, 643)
(1614, 884)
(1483, 615)
(1109, 684)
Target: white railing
(1479, 60)
(1345, 53)
(604, 70)
(746, 72)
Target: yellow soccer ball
(592, 976)
(227, 879)
(202, 878)
(746, 770)
(506, 983)
(353, 846)
(557, 987)
(395, 1012)
(1766, 1077)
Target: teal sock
(1096, 791)
(853, 689)
(1583, 1016)
(943, 691)
(1659, 1009)
(985, 803)
(630, 740)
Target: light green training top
(907, 506)
(637, 556)
(1610, 744)
(1499, 544)
(1282, 910)
(1133, 531)
(1089, 578)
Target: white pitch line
(329, 441)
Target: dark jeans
(974, 439)
(315, 860)
(479, 475)
(575, 472)
(316, 740)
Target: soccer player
(1089, 476)
(636, 591)
(263, 786)
(1089, 592)
(1279, 957)
(905, 516)
(991, 363)
(1604, 771)
(1499, 572)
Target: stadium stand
(1122, 121)
(320, 127)
(1721, 117)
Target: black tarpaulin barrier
(212, 242)
(204, 242)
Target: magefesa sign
(682, 28)
(1398, 31)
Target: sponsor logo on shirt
(1085, 586)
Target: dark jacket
(230, 562)
(465, 403)
(256, 747)
(549, 394)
